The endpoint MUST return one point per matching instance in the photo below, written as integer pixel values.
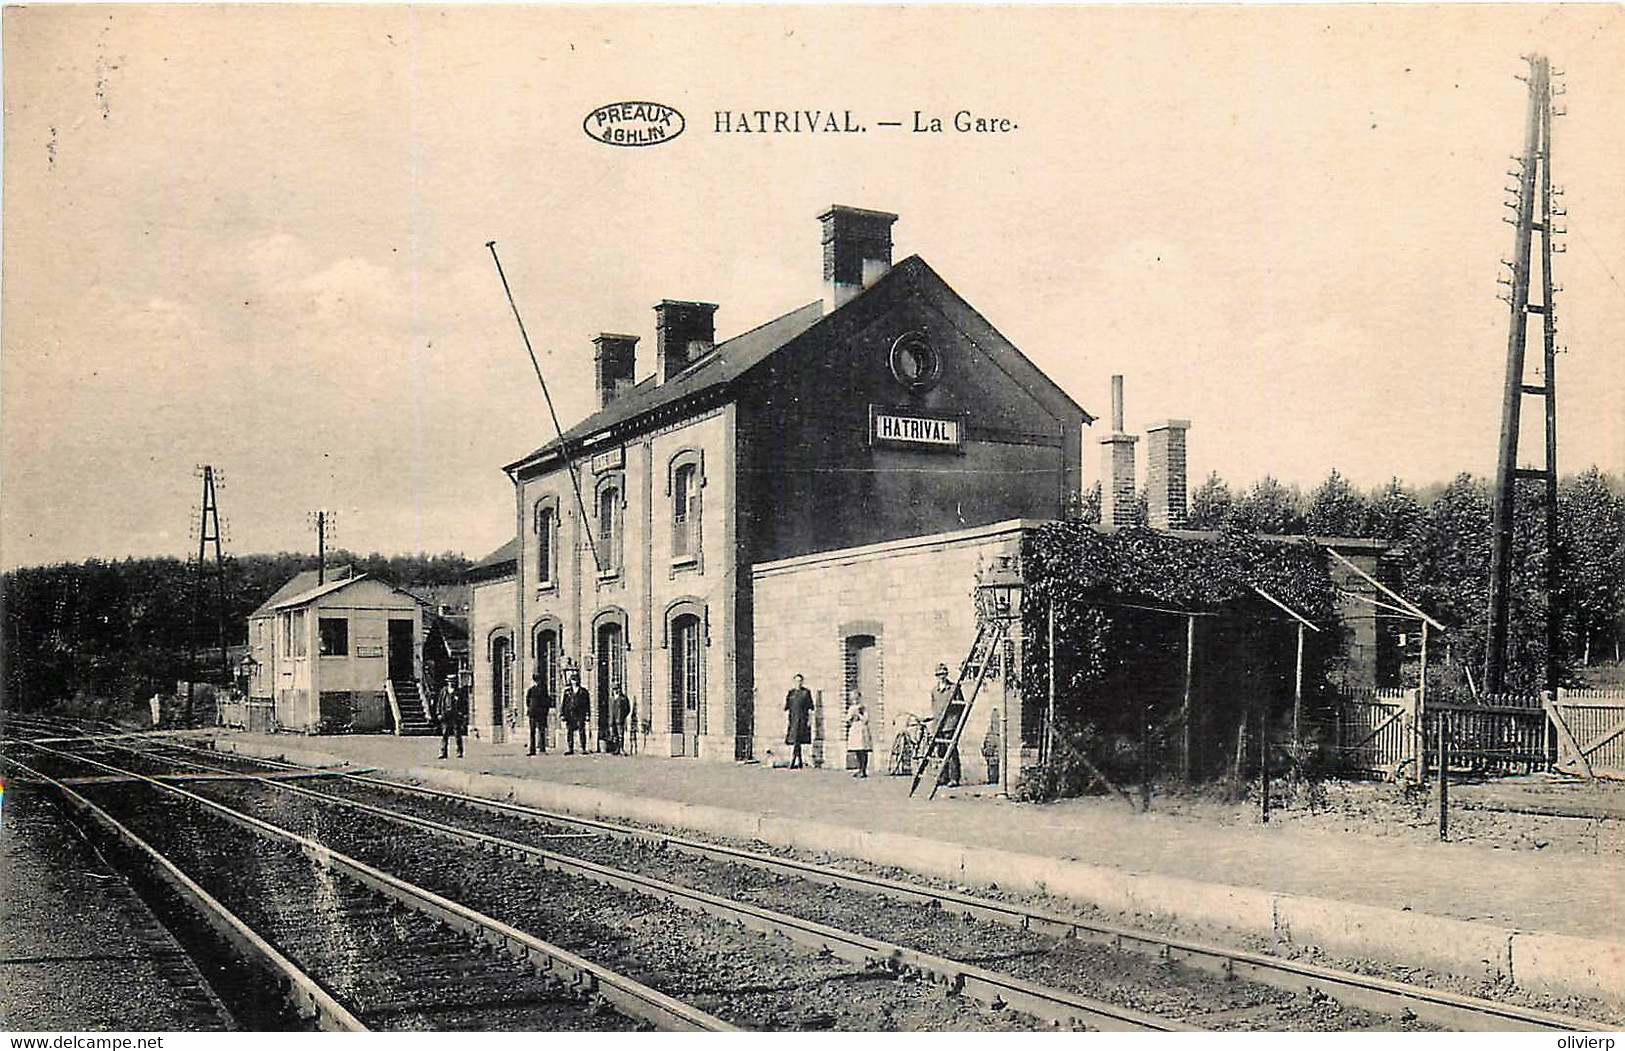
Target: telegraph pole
(323, 522)
(208, 532)
(1534, 211)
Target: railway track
(352, 947)
(79, 947)
(1034, 944)
(840, 980)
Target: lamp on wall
(999, 592)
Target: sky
(254, 237)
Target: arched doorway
(611, 675)
(687, 666)
(501, 686)
(545, 650)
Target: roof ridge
(737, 355)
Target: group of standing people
(798, 707)
(575, 708)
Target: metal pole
(1049, 719)
(1442, 727)
(564, 448)
(1422, 680)
(1297, 698)
(1264, 766)
(321, 548)
(1185, 703)
(1145, 757)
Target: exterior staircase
(411, 713)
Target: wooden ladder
(946, 732)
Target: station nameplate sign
(894, 427)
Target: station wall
(883, 616)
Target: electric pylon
(1534, 212)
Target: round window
(914, 362)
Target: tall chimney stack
(614, 364)
(1117, 466)
(685, 332)
(857, 251)
(1165, 478)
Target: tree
(1591, 562)
(1210, 504)
(110, 634)
(1267, 507)
(1085, 507)
(1392, 514)
(1448, 568)
(1337, 509)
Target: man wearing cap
(577, 708)
(944, 693)
(538, 703)
(452, 712)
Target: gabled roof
(730, 360)
(322, 589)
(298, 583)
(496, 565)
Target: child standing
(858, 739)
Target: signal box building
(328, 655)
(886, 412)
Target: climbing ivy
(1071, 562)
(1120, 666)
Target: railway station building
(813, 496)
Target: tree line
(98, 637)
(1440, 544)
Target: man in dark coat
(577, 707)
(798, 703)
(538, 704)
(944, 693)
(620, 709)
(452, 711)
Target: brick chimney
(857, 251)
(684, 333)
(1165, 474)
(615, 357)
(1117, 466)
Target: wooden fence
(1377, 735)
(1504, 735)
(1589, 731)
(1392, 734)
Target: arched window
(545, 650)
(685, 513)
(546, 524)
(684, 481)
(608, 514)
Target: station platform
(1551, 923)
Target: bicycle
(907, 745)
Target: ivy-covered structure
(1172, 642)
